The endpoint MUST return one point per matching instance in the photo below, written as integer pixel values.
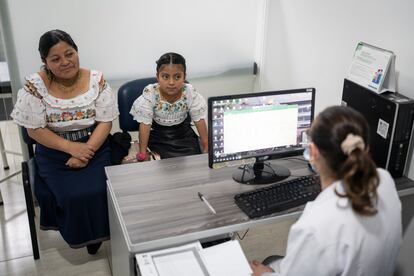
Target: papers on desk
(226, 259)
(373, 68)
(220, 260)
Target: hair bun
(351, 143)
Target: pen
(202, 198)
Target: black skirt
(173, 141)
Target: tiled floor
(56, 257)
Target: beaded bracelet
(142, 156)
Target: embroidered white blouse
(150, 106)
(61, 115)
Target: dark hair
(357, 170)
(50, 39)
(171, 58)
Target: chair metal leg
(4, 179)
(5, 164)
(3, 153)
(10, 176)
(30, 209)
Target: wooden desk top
(158, 205)
(157, 202)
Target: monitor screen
(262, 125)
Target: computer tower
(390, 118)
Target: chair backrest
(28, 140)
(127, 94)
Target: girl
(165, 111)
(354, 225)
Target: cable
(295, 158)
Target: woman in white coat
(354, 225)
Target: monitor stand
(260, 173)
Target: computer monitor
(264, 125)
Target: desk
(154, 205)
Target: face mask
(306, 155)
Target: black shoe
(93, 248)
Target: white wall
(124, 38)
(311, 43)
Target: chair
(28, 175)
(127, 94)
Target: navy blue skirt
(73, 201)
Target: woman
(354, 226)
(69, 111)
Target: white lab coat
(331, 239)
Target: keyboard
(279, 197)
